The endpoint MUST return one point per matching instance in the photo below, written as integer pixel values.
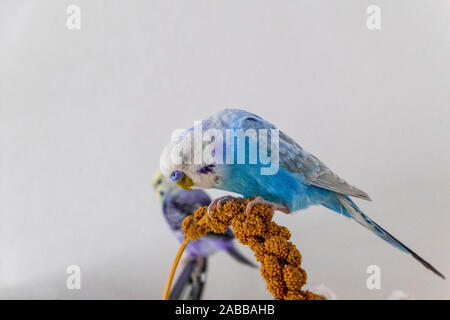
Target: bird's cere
(176, 175)
(280, 260)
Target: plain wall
(84, 115)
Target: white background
(84, 115)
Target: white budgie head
(163, 186)
(186, 165)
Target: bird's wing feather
(179, 205)
(187, 201)
(183, 204)
(293, 157)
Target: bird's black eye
(161, 193)
(159, 181)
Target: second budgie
(177, 204)
(299, 180)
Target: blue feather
(301, 180)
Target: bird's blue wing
(181, 204)
(292, 156)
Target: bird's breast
(284, 187)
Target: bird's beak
(185, 182)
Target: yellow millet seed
(293, 278)
(277, 246)
(280, 260)
(296, 295)
(294, 257)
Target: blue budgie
(285, 176)
(177, 204)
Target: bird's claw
(274, 206)
(217, 204)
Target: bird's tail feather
(198, 279)
(234, 252)
(183, 280)
(193, 275)
(355, 213)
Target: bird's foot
(274, 206)
(218, 203)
